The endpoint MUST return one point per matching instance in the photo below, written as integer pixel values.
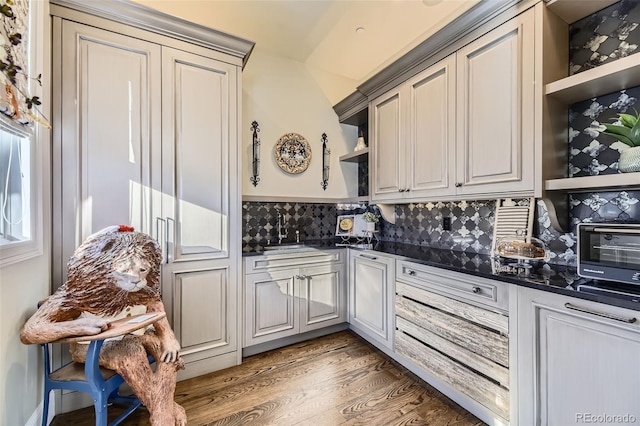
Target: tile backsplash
(421, 223)
(591, 153)
(600, 38)
(315, 221)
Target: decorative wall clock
(293, 153)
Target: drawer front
(265, 262)
(466, 357)
(486, 343)
(466, 381)
(486, 318)
(472, 289)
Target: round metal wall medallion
(293, 153)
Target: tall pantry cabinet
(146, 133)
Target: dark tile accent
(590, 152)
(315, 221)
(607, 35)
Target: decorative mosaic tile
(421, 224)
(607, 35)
(592, 153)
(363, 179)
(622, 207)
(315, 221)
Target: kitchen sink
(293, 246)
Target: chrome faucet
(282, 233)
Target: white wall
(23, 284)
(283, 97)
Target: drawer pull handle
(366, 256)
(476, 290)
(410, 272)
(600, 314)
(301, 277)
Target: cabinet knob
(458, 184)
(410, 272)
(476, 290)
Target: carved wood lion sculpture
(113, 273)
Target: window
(15, 188)
(23, 148)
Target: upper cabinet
(386, 137)
(413, 136)
(462, 127)
(495, 139)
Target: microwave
(609, 251)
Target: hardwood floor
(334, 380)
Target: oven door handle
(617, 230)
(600, 314)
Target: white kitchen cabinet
(371, 294)
(200, 204)
(148, 129)
(495, 111)
(388, 154)
(286, 296)
(464, 126)
(108, 163)
(577, 361)
(414, 136)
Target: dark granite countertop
(555, 278)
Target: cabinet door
(431, 153)
(199, 112)
(107, 166)
(200, 203)
(204, 320)
(371, 293)
(495, 110)
(323, 296)
(388, 176)
(573, 364)
(272, 306)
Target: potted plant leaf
(627, 132)
(371, 219)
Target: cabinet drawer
(477, 339)
(477, 290)
(477, 387)
(255, 264)
(485, 318)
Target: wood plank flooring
(334, 380)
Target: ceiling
(322, 33)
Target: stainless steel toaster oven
(609, 251)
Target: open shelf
(612, 77)
(616, 182)
(356, 157)
(571, 11)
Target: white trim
(36, 416)
(40, 140)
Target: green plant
(627, 132)
(370, 217)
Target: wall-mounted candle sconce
(255, 160)
(326, 154)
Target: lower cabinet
(371, 293)
(457, 339)
(293, 295)
(578, 361)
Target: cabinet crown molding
(145, 18)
